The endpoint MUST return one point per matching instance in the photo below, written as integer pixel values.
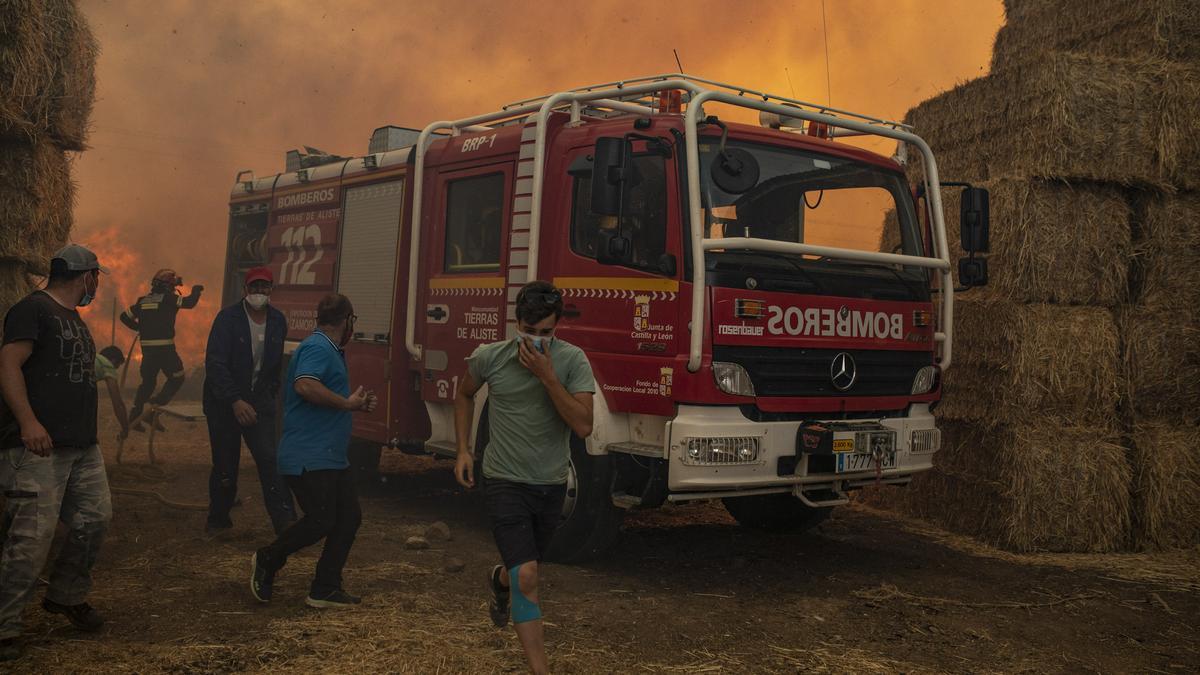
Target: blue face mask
(539, 343)
(88, 296)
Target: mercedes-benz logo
(844, 312)
(843, 372)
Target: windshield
(810, 198)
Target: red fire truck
(749, 340)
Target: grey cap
(77, 259)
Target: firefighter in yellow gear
(153, 317)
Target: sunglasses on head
(544, 297)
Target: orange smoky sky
(190, 92)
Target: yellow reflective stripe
(158, 343)
(179, 301)
(618, 283)
(150, 305)
(127, 314)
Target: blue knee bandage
(523, 609)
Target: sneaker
(332, 599)
(139, 427)
(81, 616)
(10, 649)
(261, 580)
(498, 605)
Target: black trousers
(331, 512)
(155, 360)
(524, 517)
(225, 436)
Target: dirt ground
(686, 590)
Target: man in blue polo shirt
(312, 458)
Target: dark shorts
(524, 518)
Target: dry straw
(1166, 483)
(1038, 485)
(36, 200)
(1126, 28)
(47, 71)
(1161, 328)
(1013, 360)
(1124, 121)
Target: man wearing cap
(51, 468)
(153, 317)
(243, 360)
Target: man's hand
(464, 469)
(537, 362)
(197, 289)
(245, 414)
(36, 439)
(362, 400)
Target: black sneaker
(261, 580)
(498, 605)
(10, 649)
(81, 616)
(338, 599)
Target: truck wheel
(591, 524)
(775, 513)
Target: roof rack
(644, 100)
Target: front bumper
(776, 441)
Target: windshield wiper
(911, 284)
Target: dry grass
(1123, 121)
(47, 72)
(1176, 570)
(36, 201)
(1041, 485)
(1166, 483)
(14, 285)
(1011, 360)
(1132, 29)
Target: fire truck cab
(749, 340)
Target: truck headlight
(925, 380)
(721, 450)
(733, 379)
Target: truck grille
(805, 372)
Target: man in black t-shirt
(51, 468)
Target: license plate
(850, 463)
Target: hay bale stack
(1009, 363)
(1052, 242)
(14, 285)
(47, 72)
(1166, 29)
(36, 201)
(1166, 482)
(1035, 485)
(1068, 116)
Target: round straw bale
(36, 199)
(1166, 482)
(73, 90)
(1013, 360)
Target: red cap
(259, 274)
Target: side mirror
(667, 264)
(973, 220)
(609, 175)
(972, 272)
(613, 248)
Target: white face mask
(539, 343)
(257, 301)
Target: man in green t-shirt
(539, 392)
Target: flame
(129, 279)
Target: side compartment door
(464, 300)
(366, 275)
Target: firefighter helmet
(166, 279)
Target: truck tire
(775, 513)
(591, 523)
